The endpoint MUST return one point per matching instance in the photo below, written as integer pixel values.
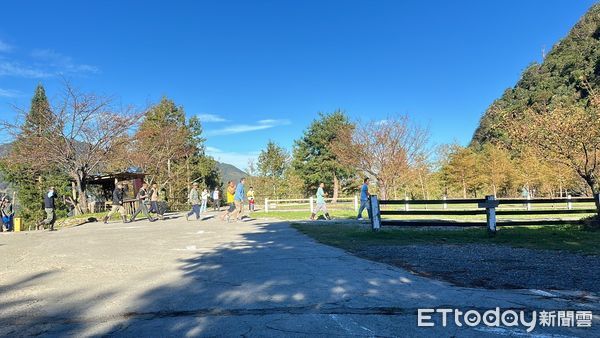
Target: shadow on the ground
(18, 319)
(261, 274)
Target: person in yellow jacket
(250, 196)
(230, 197)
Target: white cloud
(10, 93)
(244, 128)
(211, 118)
(5, 47)
(62, 63)
(240, 160)
(8, 68)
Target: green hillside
(230, 172)
(567, 76)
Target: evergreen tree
(273, 165)
(314, 161)
(29, 183)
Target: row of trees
(552, 154)
(85, 134)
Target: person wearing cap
(49, 207)
(194, 200)
(142, 198)
(117, 204)
(6, 209)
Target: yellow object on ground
(18, 224)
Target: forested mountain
(569, 74)
(230, 172)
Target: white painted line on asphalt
(337, 320)
(542, 293)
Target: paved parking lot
(211, 278)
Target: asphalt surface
(211, 278)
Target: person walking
(49, 208)
(204, 197)
(238, 198)
(117, 204)
(364, 200)
(229, 199)
(155, 205)
(142, 198)
(250, 196)
(91, 200)
(321, 206)
(216, 200)
(194, 200)
(8, 214)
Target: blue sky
(260, 70)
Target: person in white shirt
(216, 200)
(204, 200)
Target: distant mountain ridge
(230, 172)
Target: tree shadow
(22, 315)
(262, 275)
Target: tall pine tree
(30, 183)
(313, 159)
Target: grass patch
(303, 215)
(351, 214)
(354, 238)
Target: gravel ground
(494, 266)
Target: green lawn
(354, 237)
(350, 214)
(302, 215)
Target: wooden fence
(307, 204)
(489, 206)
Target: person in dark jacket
(49, 208)
(117, 204)
(142, 198)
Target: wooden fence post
(312, 207)
(528, 204)
(266, 204)
(445, 204)
(355, 203)
(490, 205)
(569, 203)
(375, 213)
(406, 207)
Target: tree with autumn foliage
(385, 150)
(75, 137)
(169, 148)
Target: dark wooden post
(597, 201)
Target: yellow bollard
(18, 224)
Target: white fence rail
(308, 204)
